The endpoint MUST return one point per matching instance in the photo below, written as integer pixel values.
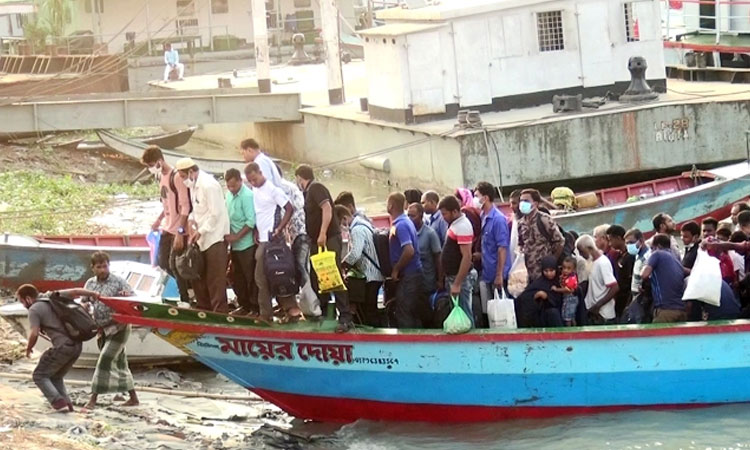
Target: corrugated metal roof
(400, 29)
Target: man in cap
(209, 223)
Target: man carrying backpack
(323, 229)
(209, 225)
(538, 234)
(175, 199)
(56, 361)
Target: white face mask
(155, 170)
(189, 183)
(476, 202)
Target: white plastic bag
(704, 283)
(501, 312)
(518, 277)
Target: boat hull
(56, 266)
(485, 375)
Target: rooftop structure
(427, 63)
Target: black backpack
(441, 308)
(280, 268)
(569, 245)
(78, 323)
(188, 264)
(380, 237)
(173, 188)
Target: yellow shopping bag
(329, 276)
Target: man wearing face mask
(538, 234)
(495, 256)
(175, 200)
(209, 225)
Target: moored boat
(62, 262)
(689, 196)
(134, 149)
(164, 140)
(485, 375)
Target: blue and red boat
(485, 375)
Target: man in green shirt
(242, 243)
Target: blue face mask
(632, 248)
(524, 207)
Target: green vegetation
(48, 22)
(39, 203)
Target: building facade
(428, 63)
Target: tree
(49, 22)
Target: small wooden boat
(485, 375)
(61, 262)
(134, 149)
(144, 348)
(165, 140)
(690, 196)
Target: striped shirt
(361, 243)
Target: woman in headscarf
(538, 305)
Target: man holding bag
(323, 229)
(667, 281)
(495, 244)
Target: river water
(724, 427)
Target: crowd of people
(459, 245)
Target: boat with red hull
(61, 262)
(690, 196)
(485, 375)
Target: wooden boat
(485, 375)
(689, 196)
(144, 348)
(135, 149)
(164, 140)
(61, 262)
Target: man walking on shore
(58, 360)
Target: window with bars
(549, 27)
(631, 23)
(219, 6)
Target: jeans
(165, 256)
(211, 289)
(309, 302)
(243, 278)
(465, 296)
(333, 244)
(52, 368)
(409, 295)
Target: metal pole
(148, 27)
(669, 13)
(210, 25)
(717, 18)
(260, 39)
(329, 19)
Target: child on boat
(568, 286)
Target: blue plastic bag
(153, 240)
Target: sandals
(287, 319)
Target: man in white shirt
(172, 61)
(251, 152)
(267, 198)
(600, 297)
(209, 223)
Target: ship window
(631, 24)
(185, 8)
(146, 283)
(133, 278)
(549, 27)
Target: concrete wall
(655, 138)
(434, 163)
(9, 25)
